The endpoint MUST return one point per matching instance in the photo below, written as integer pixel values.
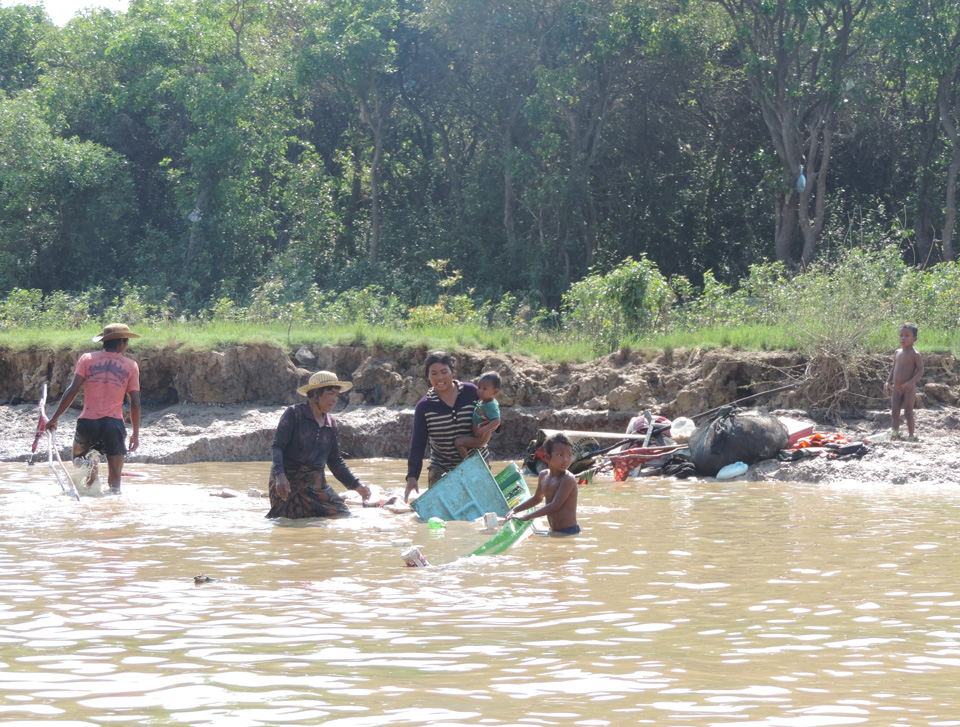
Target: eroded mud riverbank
(224, 406)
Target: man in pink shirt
(107, 376)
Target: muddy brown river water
(781, 605)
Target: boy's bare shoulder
(911, 354)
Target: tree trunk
(805, 46)
(584, 145)
(950, 217)
(509, 221)
(923, 227)
(944, 92)
(453, 174)
(195, 216)
(347, 241)
(375, 197)
(786, 218)
(431, 125)
(374, 120)
(811, 229)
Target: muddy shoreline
(224, 406)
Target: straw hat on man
(107, 377)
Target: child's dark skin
(558, 487)
(906, 372)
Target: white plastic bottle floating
(491, 521)
(413, 557)
(732, 470)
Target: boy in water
(906, 372)
(486, 416)
(557, 486)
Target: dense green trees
(201, 147)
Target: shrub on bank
(838, 308)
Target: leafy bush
(929, 298)
(22, 308)
(839, 309)
(632, 299)
(716, 305)
(133, 307)
(370, 306)
(449, 310)
(224, 309)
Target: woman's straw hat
(115, 330)
(321, 379)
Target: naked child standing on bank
(106, 376)
(906, 372)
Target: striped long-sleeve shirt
(435, 420)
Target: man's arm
(135, 411)
(66, 400)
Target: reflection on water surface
(681, 604)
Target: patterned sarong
(309, 496)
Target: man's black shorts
(105, 435)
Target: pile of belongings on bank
(655, 445)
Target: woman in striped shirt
(443, 414)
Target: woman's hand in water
(283, 486)
(412, 486)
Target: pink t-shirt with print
(107, 378)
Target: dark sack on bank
(737, 435)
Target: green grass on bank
(219, 335)
(777, 338)
(748, 338)
(554, 347)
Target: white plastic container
(732, 470)
(681, 429)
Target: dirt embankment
(224, 405)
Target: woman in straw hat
(305, 442)
(106, 376)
